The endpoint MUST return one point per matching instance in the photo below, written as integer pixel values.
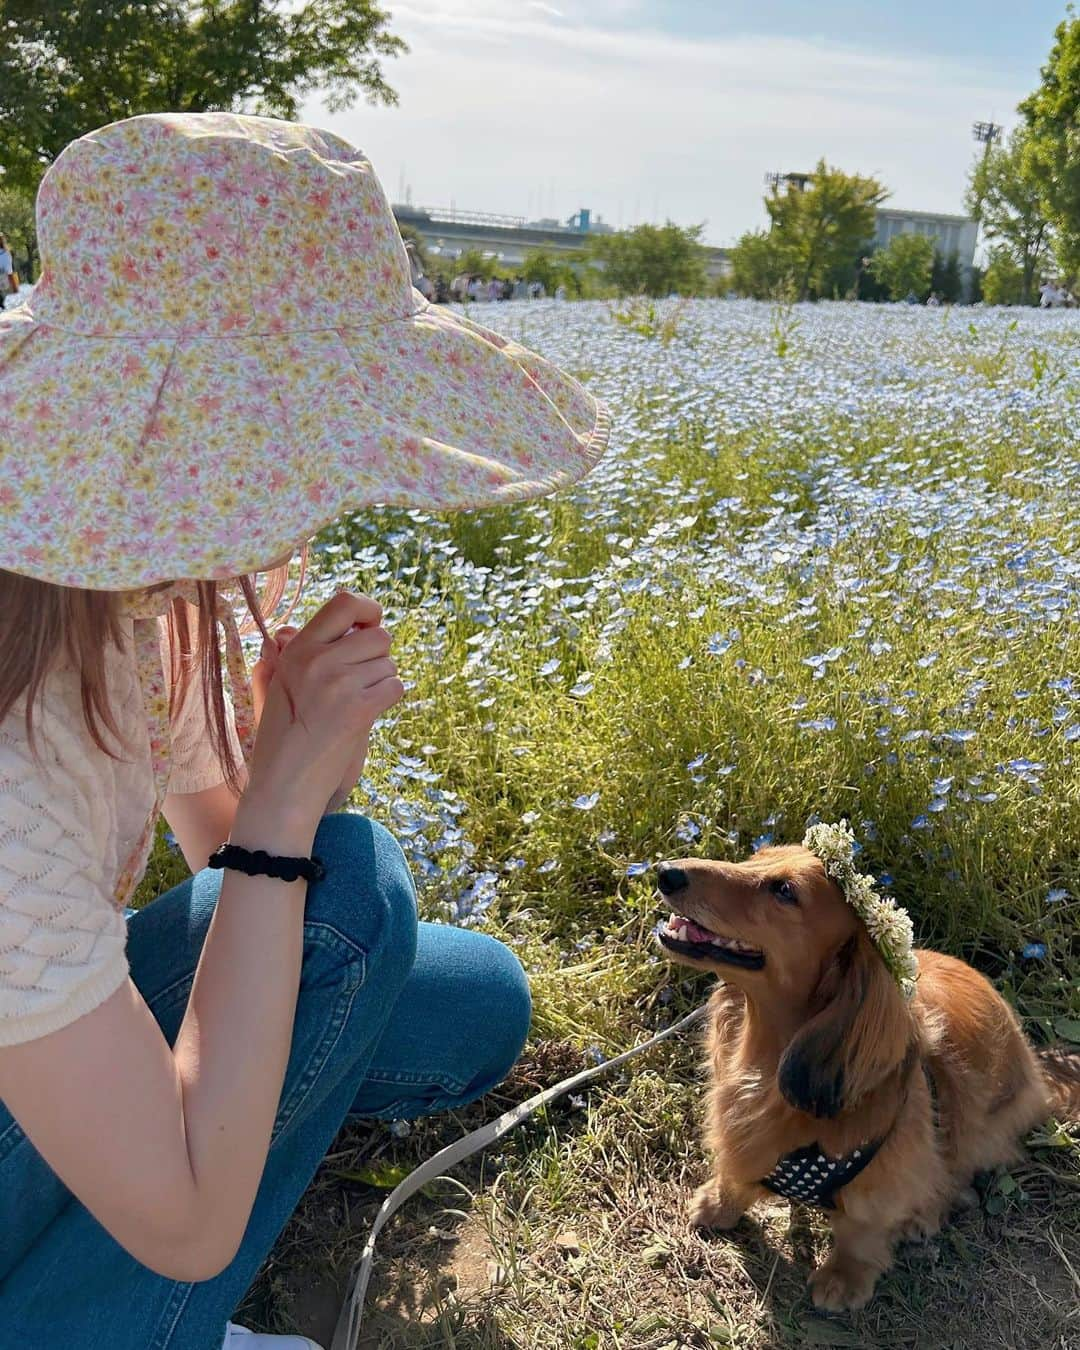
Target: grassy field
(831, 565)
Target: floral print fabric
(225, 353)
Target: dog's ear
(859, 1034)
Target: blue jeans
(394, 1019)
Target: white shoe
(239, 1338)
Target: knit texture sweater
(69, 819)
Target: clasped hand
(318, 692)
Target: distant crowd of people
(469, 286)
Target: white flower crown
(888, 924)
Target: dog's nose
(670, 879)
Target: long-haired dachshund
(827, 1086)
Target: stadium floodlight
(986, 133)
(792, 180)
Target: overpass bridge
(447, 233)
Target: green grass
(518, 747)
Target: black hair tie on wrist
(258, 863)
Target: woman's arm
(201, 821)
(164, 1146)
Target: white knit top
(69, 820)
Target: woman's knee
(504, 1006)
(367, 894)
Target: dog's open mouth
(686, 937)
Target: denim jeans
(394, 1019)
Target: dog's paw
(842, 1286)
(711, 1208)
(919, 1228)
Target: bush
(761, 267)
(653, 260)
(1003, 281)
(904, 267)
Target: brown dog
(827, 1086)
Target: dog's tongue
(695, 932)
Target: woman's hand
(317, 694)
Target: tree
(762, 266)
(541, 266)
(1052, 113)
(1005, 195)
(946, 280)
(68, 66)
(19, 226)
(655, 260)
(1003, 281)
(475, 263)
(825, 227)
(904, 265)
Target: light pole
(799, 181)
(987, 134)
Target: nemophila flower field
(830, 566)
(846, 581)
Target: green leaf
(385, 1177)
(1006, 1184)
(1068, 1028)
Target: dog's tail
(1061, 1068)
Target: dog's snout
(671, 879)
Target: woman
(170, 1083)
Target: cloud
(509, 107)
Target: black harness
(811, 1177)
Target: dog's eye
(785, 891)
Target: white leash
(348, 1326)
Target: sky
(648, 110)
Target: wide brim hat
(225, 352)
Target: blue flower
(586, 801)
(1056, 894)
(1034, 951)
(637, 869)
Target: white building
(951, 234)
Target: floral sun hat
(225, 352)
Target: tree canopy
(904, 267)
(824, 226)
(1052, 113)
(68, 66)
(655, 260)
(816, 236)
(19, 226)
(1005, 195)
(1003, 282)
(762, 266)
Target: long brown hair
(42, 622)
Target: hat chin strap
(145, 609)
